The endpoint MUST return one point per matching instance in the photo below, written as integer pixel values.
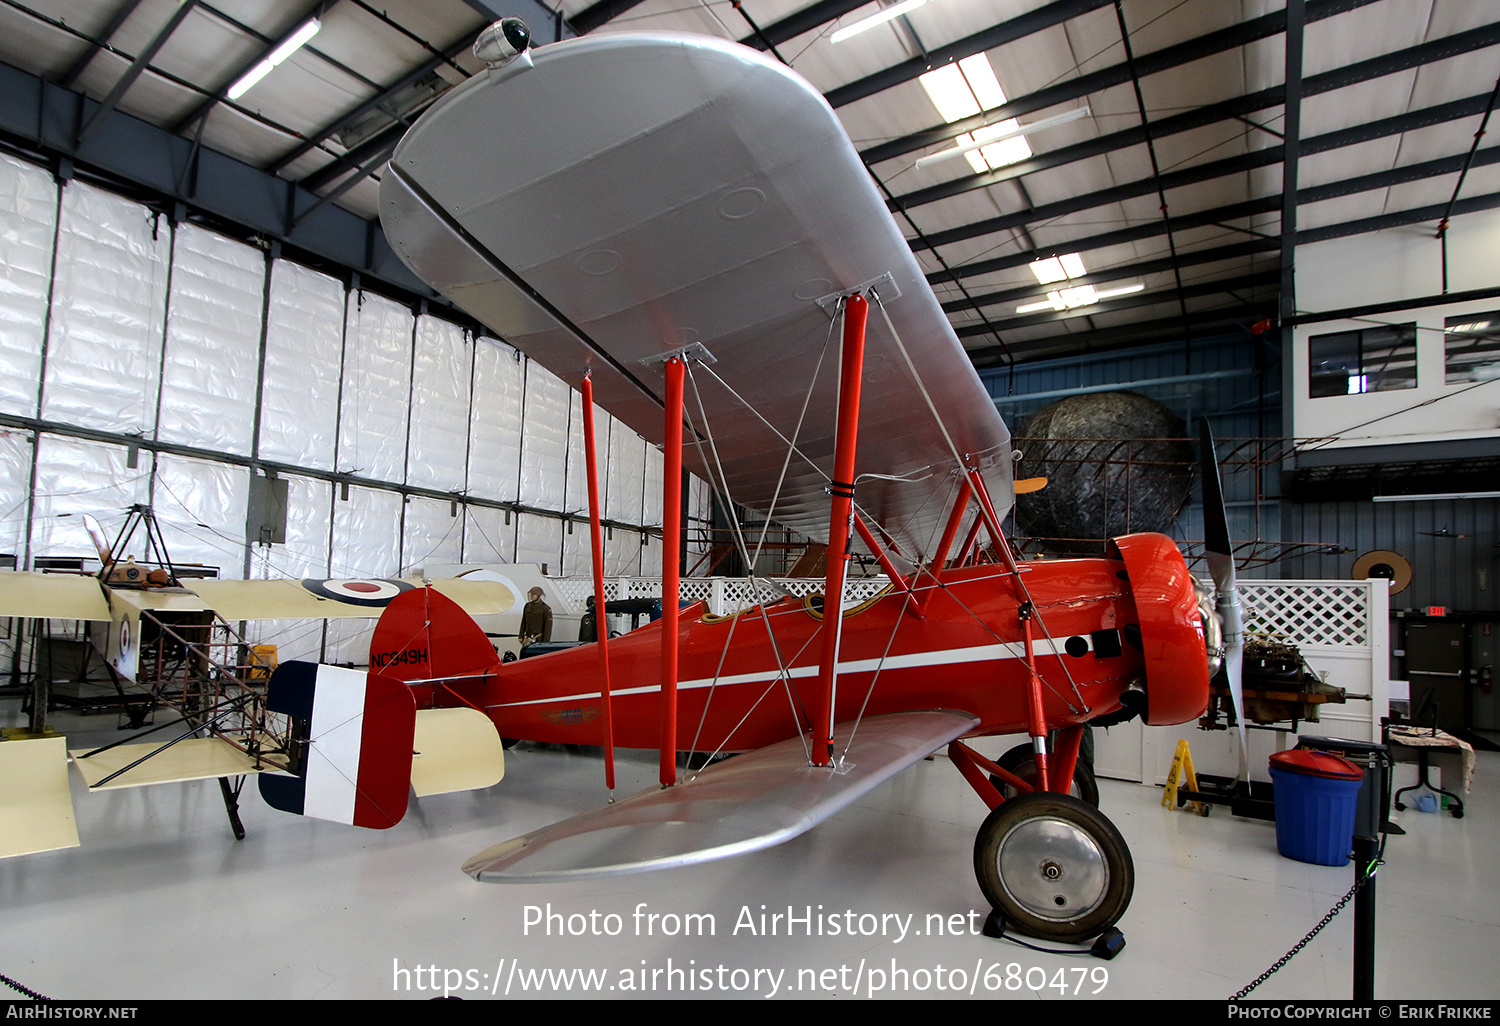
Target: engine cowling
(1172, 639)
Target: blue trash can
(1316, 797)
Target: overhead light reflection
(294, 42)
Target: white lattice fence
(724, 595)
(1309, 612)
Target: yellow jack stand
(1182, 772)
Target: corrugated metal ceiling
(1173, 180)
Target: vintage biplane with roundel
(680, 227)
(329, 742)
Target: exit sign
(1437, 610)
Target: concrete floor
(161, 902)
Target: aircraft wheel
(1021, 761)
(1054, 867)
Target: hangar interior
(1281, 217)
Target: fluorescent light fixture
(293, 43)
(1076, 296)
(1008, 129)
(878, 18)
(1436, 497)
(969, 87)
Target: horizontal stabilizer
(36, 807)
(199, 758)
(456, 750)
(741, 805)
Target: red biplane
(680, 227)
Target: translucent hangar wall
(146, 362)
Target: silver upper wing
(602, 201)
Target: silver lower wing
(744, 804)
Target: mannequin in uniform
(536, 619)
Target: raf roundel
(358, 592)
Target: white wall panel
(431, 535)
(651, 557)
(108, 306)
(544, 445)
(73, 477)
(367, 534)
(294, 639)
(213, 342)
(578, 482)
(487, 537)
(539, 540)
(495, 422)
(200, 507)
(437, 455)
(651, 497)
(28, 200)
(622, 554)
(627, 471)
(377, 388)
(305, 552)
(15, 487)
(303, 555)
(348, 641)
(304, 355)
(576, 559)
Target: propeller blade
(1220, 553)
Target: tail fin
(351, 744)
(424, 635)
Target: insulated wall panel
(651, 497)
(544, 443)
(576, 561)
(294, 639)
(304, 356)
(433, 533)
(651, 557)
(622, 553)
(28, 198)
(578, 477)
(495, 422)
(15, 487)
(348, 641)
(366, 543)
(305, 554)
(539, 540)
(305, 551)
(75, 476)
(438, 452)
(627, 471)
(487, 537)
(108, 308)
(200, 507)
(377, 389)
(367, 534)
(213, 342)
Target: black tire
(1055, 868)
(1021, 761)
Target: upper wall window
(1471, 348)
(1379, 359)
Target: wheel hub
(1053, 869)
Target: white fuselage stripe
(942, 657)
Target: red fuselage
(1098, 631)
